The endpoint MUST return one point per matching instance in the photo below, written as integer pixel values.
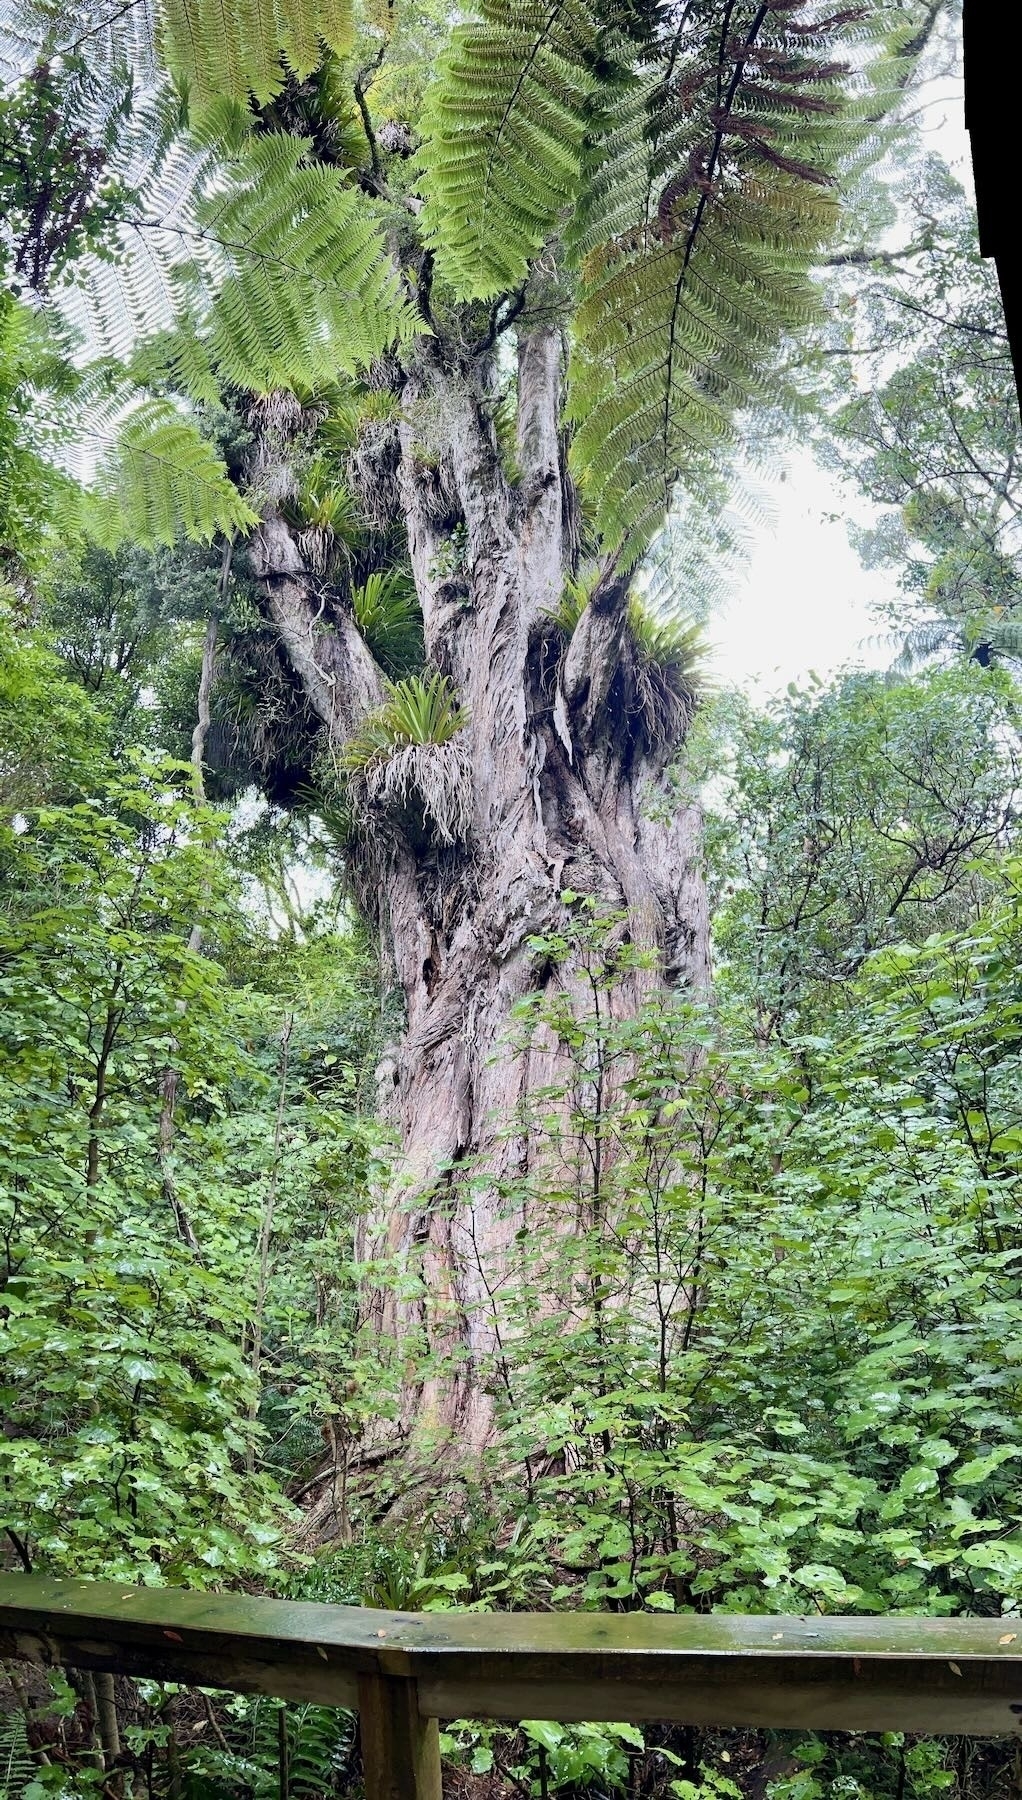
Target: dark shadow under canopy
(993, 58)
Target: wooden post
(400, 1749)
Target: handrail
(404, 1671)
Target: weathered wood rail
(405, 1671)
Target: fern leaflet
(163, 479)
(233, 48)
(504, 125)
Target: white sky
(802, 601)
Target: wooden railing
(405, 1671)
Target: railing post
(400, 1749)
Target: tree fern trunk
(563, 786)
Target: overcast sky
(803, 601)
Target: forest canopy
(492, 1115)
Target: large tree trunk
(565, 771)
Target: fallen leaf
(321, 1652)
(174, 1636)
(955, 1670)
(1008, 1638)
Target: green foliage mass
(771, 1366)
(799, 1391)
(244, 217)
(858, 816)
(133, 1440)
(922, 414)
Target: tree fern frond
(166, 481)
(18, 51)
(1005, 637)
(504, 128)
(311, 290)
(236, 48)
(725, 156)
(262, 268)
(108, 35)
(982, 637)
(692, 564)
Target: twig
(211, 1719)
(363, 81)
(21, 1548)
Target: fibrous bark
(567, 793)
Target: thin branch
(20, 1548)
(499, 325)
(864, 258)
(100, 25)
(988, 331)
(362, 84)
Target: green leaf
(238, 48)
(503, 131)
(168, 482)
(544, 1732)
(980, 1467)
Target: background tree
(930, 434)
(856, 816)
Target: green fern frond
(18, 1766)
(311, 290)
(1004, 637)
(710, 192)
(504, 128)
(166, 481)
(673, 338)
(981, 638)
(261, 265)
(108, 39)
(237, 48)
(248, 263)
